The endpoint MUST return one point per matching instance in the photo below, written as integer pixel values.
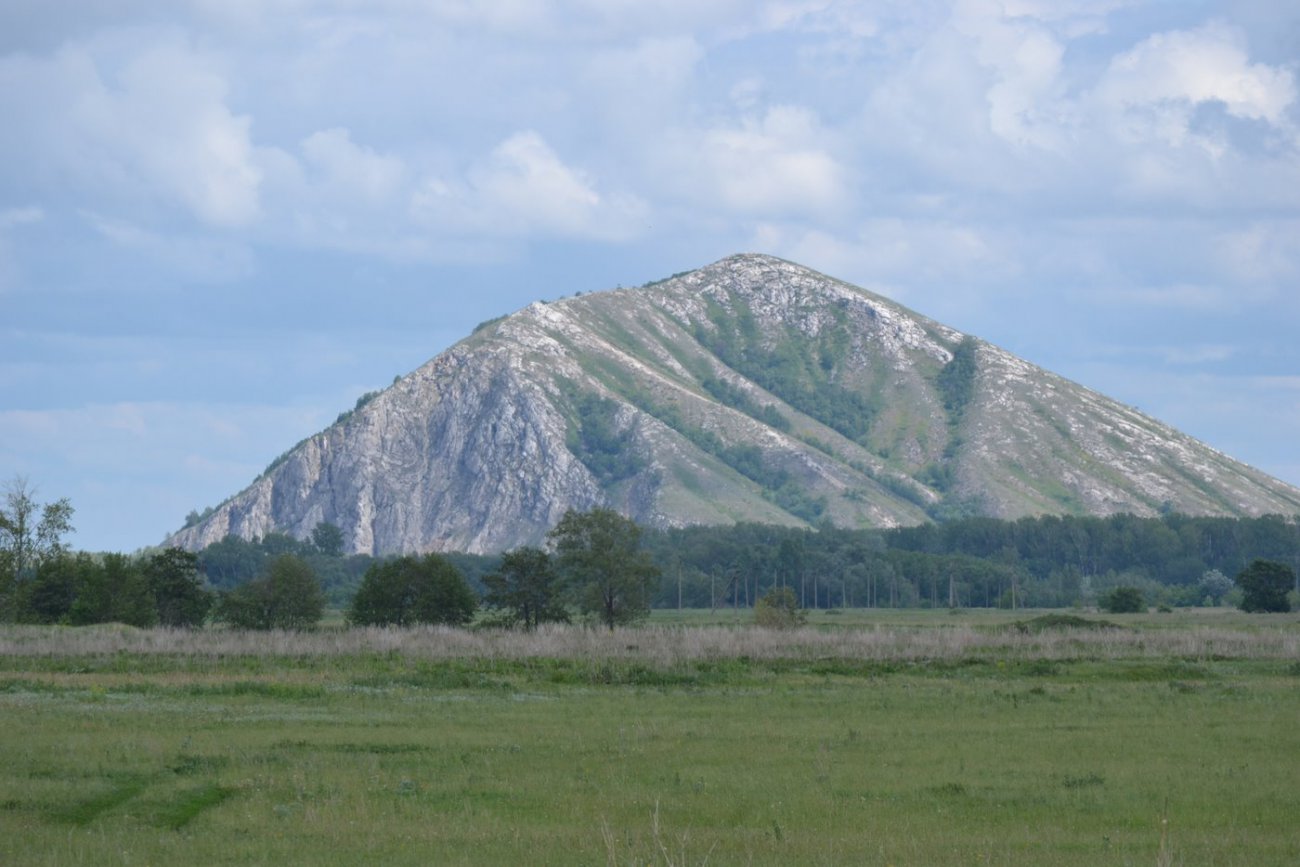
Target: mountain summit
(750, 390)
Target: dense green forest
(1049, 561)
(975, 562)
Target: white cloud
(1169, 73)
(1025, 60)
(354, 170)
(11, 217)
(1007, 103)
(139, 115)
(897, 252)
(776, 164)
(642, 87)
(523, 188)
(166, 123)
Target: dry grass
(665, 645)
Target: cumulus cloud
(521, 188)
(903, 257)
(1024, 61)
(1011, 102)
(777, 162)
(1155, 85)
(641, 86)
(352, 169)
(140, 115)
(1031, 170)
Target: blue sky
(223, 220)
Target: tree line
(601, 566)
(596, 568)
(1044, 562)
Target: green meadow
(863, 738)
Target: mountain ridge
(749, 389)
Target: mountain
(750, 390)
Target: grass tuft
(188, 805)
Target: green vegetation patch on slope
(779, 487)
(956, 380)
(737, 399)
(798, 369)
(595, 438)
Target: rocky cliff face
(749, 390)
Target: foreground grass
(584, 748)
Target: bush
(1264, 585)
(779, 609)
(1048, 622)
(286, 596)
(1122, 600)
(409, 590)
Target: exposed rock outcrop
(752, 389)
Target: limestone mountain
(749, 390)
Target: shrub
(1122, 600)
(1048, 622)
(409, 590)
(779, 609)
(286, 596)
(1264, 585)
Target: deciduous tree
(177, 587)
(407, 590)
(1264, 585)
(25, 539)
(113, 589)
(527, 586)
(328, 539)
(600, 558)
(286, 596)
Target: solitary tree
(328, 539)
(527, 586)
(177, 587)
(407, 590)
(27, 540)
(286, 596)
(600, 557)
(1264, 585)
(1214, 585)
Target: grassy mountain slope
(749, 390)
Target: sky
(221, 221)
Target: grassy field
(868, 737)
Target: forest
(1042, 562)
(1173, 560)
